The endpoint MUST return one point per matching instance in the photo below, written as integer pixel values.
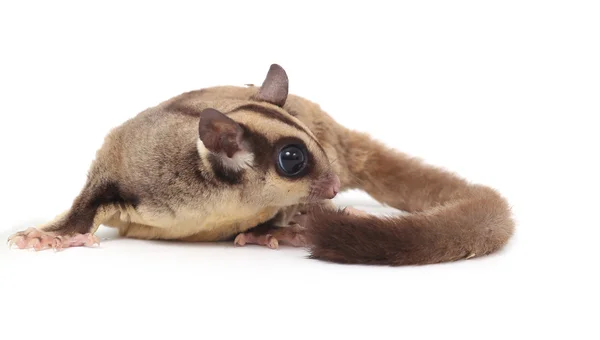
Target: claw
(57, 244)
(88, 240)
(11, 239)
(240, 240)
(36, 244)
(92, 241)
(38, 240)
(272, 242)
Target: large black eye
(292, 159)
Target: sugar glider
(258, 165)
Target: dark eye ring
(292, 159)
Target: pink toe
(272, 242)
(21, 242)
(240, 240)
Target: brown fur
(474, 226)
(154, 178)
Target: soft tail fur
(449, 219)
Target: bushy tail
(449, 219)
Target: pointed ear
(219, 133)
(275, 87)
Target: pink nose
(334, 186)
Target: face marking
(182, 108)
(274, 114)
(253, 174)
(260, 148)
(281, 117)
(223, 172)
(203, 152)
(280, 134)
(226, 169)
(239, 161)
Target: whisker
(332, 162)
(250, 165)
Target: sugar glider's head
(264, 152)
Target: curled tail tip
(468, 229)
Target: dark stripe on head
(270, 113)
(274, 114)
(262, 149)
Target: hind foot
(271, 237)
(33, 238)
(262, 240)
(270, 234)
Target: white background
(505, 93)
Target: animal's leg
(281, 228)
(75, 227)
(39, 239)
(288, 227)
(271, 236)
